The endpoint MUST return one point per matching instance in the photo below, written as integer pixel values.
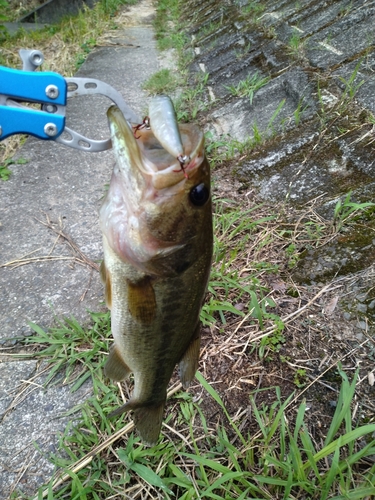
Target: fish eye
(199, 195)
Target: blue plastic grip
(31, 86)
(29, 121)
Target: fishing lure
(163, 122)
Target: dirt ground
(319, 335)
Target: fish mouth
(139, 151)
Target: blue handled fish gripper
(50, 91)
(45, 88)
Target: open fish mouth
(152, 151)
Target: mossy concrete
(312, 120)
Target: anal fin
(115, 367)
(130, 405)
(188, 364)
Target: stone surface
(272, 108)
(318, 57)
(67, 185)
(11, 376)
(12, 28)
(29, 432)
(230, 47)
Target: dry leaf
(278, 285)
(331, 305)
(240, 306)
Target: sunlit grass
(273, 456)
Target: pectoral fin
(142, 301)
(106, 279)
(188, 364)
(116, 368)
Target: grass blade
(344, 440)
(218, 399)
(149, 476)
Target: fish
(156, 221)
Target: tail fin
(147, 419)
(148, 422)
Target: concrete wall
(54, 10)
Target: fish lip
(147, 156)
(124, 143)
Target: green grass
(296, 45)
(249, 86)
(170, 35)
(351, 86)
(252, 10)
(5, 13)
(161, 82)
(346, 210)
(208, 29)
(191, 100)
(205, 451)
(166, 24)
(234, 230)
(280, 460)
(5, 172)
(72, 349)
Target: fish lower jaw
(144, 255)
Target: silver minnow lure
(163, 123)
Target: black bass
(156, 221)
